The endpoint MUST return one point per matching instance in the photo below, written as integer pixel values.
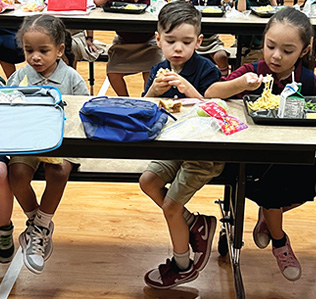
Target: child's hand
(91, 46)
(185, 87)
(158, 87)
(252, 81)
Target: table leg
(239, 208)
(233, 222)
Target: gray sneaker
(37, 246)
(49, 244)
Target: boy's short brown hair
(176, 13)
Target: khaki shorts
(211, 45)
(186, 177)
(34, 162)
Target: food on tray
(131, 6)
(171, 105)
(263, 9)
(212, 9)
(310, 105)
(161, 72)
(32, 6)
(310, 115)
(267, 99)
(4, 5)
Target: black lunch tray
(266, 14)
(220, 12)
(121, 7)
(270, 117)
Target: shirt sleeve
(14, 79)
(246, 68)
(212, 76)
(79, 87)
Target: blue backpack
(125, 120)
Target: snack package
(228, 124)
(292, 102)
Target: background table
(146, 22)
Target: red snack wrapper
(229, 124)
(214, 109)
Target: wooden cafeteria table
(256, 144)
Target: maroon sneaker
(288, 263)
(169, 275)
(201, 236)
(261, 234)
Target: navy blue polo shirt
(201, 72)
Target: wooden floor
(107, 236)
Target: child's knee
(57, 173)
(145, 181)
(20, 174)
(3, 173)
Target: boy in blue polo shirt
(179, 27)
(190, 74)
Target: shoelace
(5, 240)
(287, 259)
(38, 239)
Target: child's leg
(178, 228)
(274, 220)
(20, 177)
(153, 186)
(56, 176)
(37, 239)
(118, 84)
(281, 247)
(6, 197)
(180, 269)
(6, 226)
